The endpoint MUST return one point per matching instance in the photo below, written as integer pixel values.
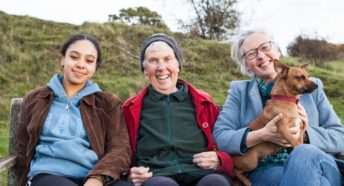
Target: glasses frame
(256, 50)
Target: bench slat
(7, 162)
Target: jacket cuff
(227, 164)
(243, 146)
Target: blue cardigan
(244, 104)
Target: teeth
(162, 76)
(264, 64)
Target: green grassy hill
(29, 57)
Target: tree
(215, 19)
(315, 50)
(139, 15)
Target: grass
(29, 57)
(3, 178)
(4, 133)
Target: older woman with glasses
(308, 164)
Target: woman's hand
(207, 160)
(270, 133)
(303, 116)
(138, 175)
(301, 126)
(93, 182)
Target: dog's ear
(281, 68)
(304, 66)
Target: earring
(61, 67)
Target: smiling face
(79, 62)
(261, 65)
(161, 67)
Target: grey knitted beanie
(165, 38)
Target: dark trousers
(53, 180)
(208, 180)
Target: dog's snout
(313, 86)
(310, 87)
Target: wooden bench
(7, 163)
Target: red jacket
(206, 111)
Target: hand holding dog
(271, 134)
(298, 129)
(207, 160)
(138, 175)
(303, 115)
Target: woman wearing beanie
(71, 133)
(170, 124)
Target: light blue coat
(244, 104)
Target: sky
(283, 19)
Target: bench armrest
(7, 162)
(340, 161)
(340, 156)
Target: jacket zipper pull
(67, 106)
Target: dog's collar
(285, 98)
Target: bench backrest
(16, 104)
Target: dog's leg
(283, 128)
(245, 163)
(240, 176)
(302, 132)
(236, 182)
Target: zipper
(169, 123)
(68, 105)
(170, 133)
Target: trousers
(306, 165)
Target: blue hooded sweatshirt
(63, 148)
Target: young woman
(70, 132)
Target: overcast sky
(284, 19)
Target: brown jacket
(103, 122)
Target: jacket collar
(89, 99)
(136, 98)
(46, 92)
(254, 95)
(179, 95)
(200, 98)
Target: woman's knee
(53, 180)
(310, 152)
(315, 166)
(160, 180)
(214, 179)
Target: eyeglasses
(264, 47)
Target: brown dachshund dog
(290, 84)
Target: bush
(317, 51)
